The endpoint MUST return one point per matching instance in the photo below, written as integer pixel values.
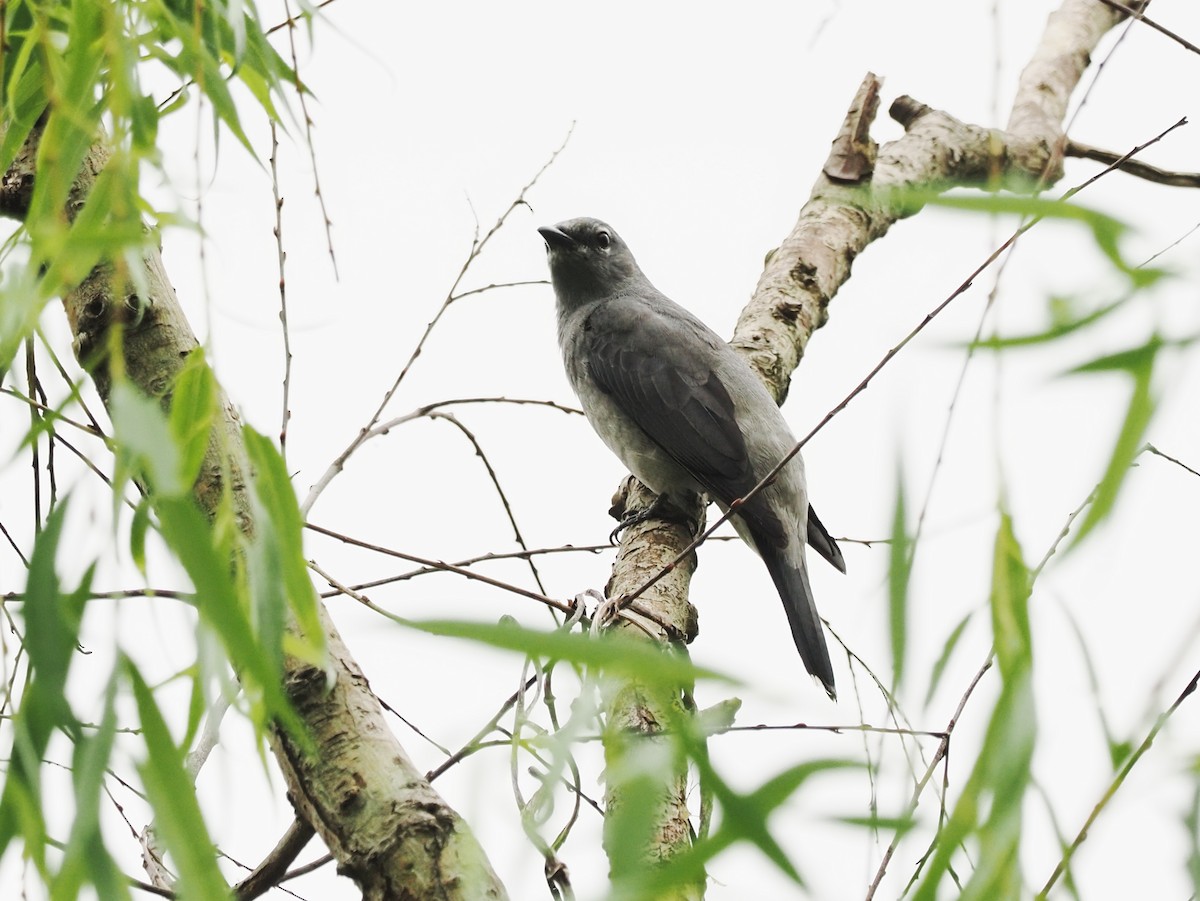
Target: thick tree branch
(937, 152)
(388, 829)
(635, 710)
(858, 195)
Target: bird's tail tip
(791, 579)
(829, 687)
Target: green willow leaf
(1009, 603)
(193, 412)
(1139, 364)
(52, 620)
(144, 442)
(177, 816)
(939, 667)
(609, 653)
(989, 804)
(85, 858)
(138, 529)
(218, 598)
(1059, 329)
(281, 525)
(744, 818)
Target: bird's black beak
(556, 237)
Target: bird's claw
(633, 519)
(662, 507)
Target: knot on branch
(16, 191)
(96, 306)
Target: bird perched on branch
(685, 412)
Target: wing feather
(672, 392)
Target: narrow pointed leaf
(178, 819)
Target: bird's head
(588, 260)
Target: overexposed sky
(698, 131)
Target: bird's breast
(632, 446)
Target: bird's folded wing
(671, 392)
(822, 542)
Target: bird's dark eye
(603, 240)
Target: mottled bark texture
(385, 825)
(862, 190)
(937, 152)
(635, 710)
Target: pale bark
(937, 152)
(637, 711)
(385, 825)
(860, 193)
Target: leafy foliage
(74, 76)
(79, 69)
(78, 124)
(989, 806)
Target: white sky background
(699, 131)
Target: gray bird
(685, 412)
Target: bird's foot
(662, 507)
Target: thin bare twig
(149, 889)
(1062, 535)
(1141, 17)
(48, 412)
(13, 544)
(410, 724)
(1187, 234)
(35, 458)
(1116, 783)
(73, 386)
(438, 564)
(320, 861)
(895, 712)
(477, 246)
(119, 594)
(493, 287)
(835, 729)
(301, 91)
(273, 869)
(943, 750)
(483, 558)
(1154, 450)
(291, 20)
(487, 464)
(283, 317)
(384, 427)
(473, 743)
(54, 414)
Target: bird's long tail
(791, 579)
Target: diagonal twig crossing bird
(685, 412)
